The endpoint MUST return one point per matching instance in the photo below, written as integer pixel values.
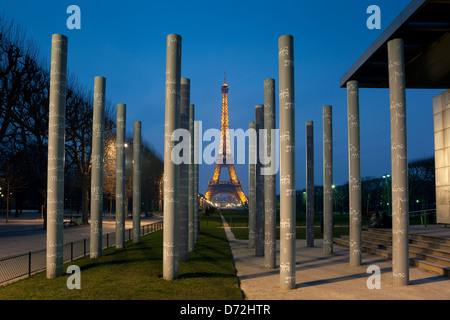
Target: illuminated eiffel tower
(225, 160)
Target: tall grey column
(55, 170)
(171, 178)
(196, 175)
(327, 181)
(98, 129)
(287, 161)
(354, 163)
(399, 164)
(252, 185)
(259, 184)
(191, 238)
(184, 175)
(120, 175)
(137, 182)
(309, 183)
(270, 186)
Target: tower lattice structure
(224, 160)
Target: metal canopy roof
(424, 27)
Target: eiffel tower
(224, 160)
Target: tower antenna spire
(225, 77)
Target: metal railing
(423, 217)
(26, 264)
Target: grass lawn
(134, 273)
(238, 221)
(242, 233)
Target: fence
(422, 217)
(26, 264)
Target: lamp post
(387, 189)
(333, 187)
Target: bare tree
(14, 177)
(421, 183)
(10, 54)
(152, 169)
(23, 95)
(79, 141)
(109, 159)
(24, 105)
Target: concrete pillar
(287, 161)
(327, 181)
(191, 238)
(55, 170)
(98, 129)
(137, 182)
(309, 183)
(120, 175)
(184, 175)
(399, 163)
(270, 186)
(171, 176)
(252, 185)
(259, 184)
(354, 170)
(196, 175)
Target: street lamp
(334, 197)
(386, 178)
(304, 200)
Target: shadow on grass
(96, 264)
(213, 236)
(205, 275)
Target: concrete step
(378, 234)
(429, 257)
(377, 251)
(430, 248)
(343, 241)
(430, 266)
(370, 242)
(381, 231)
(430, 244)
(444, 241)
(426, 258)
(412, 236)
(441, 246)
(375, 238)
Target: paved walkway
(26, 233)
(321, 277)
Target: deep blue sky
(125, 41)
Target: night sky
(125, 41)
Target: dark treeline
(376, 191)
(24, 105)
